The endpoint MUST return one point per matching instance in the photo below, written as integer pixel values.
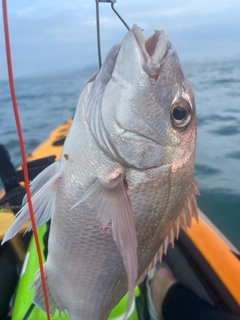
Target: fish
(124, 185)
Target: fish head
(146, 106)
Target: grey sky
(60, 35)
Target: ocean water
(45, 102)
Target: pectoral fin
(43, 200)
(115, 207)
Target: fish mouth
(152, 53)
(154, 49)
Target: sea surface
(45, 102)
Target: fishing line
(21, 142)
(98, 26)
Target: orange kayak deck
(218, 252)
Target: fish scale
(124, 183)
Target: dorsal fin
(183, 220)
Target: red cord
(20, 136)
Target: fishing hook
(98, 26)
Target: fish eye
(180, 113)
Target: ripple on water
(234, 155)
(227, 130)
(202, 170)
(210, 119)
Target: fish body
(124, 184)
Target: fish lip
(154, 49)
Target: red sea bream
(124, 184)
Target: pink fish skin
(124, 184)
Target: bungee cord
(22, 148)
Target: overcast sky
(60, 35)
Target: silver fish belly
(124, 185)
